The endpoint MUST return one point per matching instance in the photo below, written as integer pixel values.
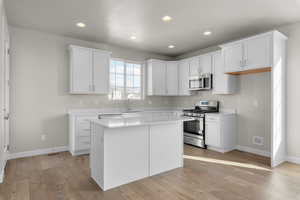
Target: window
(126, 80)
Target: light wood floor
(206, 175)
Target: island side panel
(166, 147)
(97, 154)
(126, 155)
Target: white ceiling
(114, 21)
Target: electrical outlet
(43, 137)
(257, 140)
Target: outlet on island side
(43, 137)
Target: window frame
(142, 79)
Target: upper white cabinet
(172, 78)
(257, 53)
(205, 63)
(194, 63)
(200, 64)
(248, 54)
(183, 76)
(81, 69)
(156, 72)
(89, 70)
(222, 83)
(101, 62)
(162, 77)
(233, 56)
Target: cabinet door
(194, 66)
(233, 56)
(172, 78)
(257, 53)
(100, 72)
(81, 69)
(166, 147)
(159, 77)
(205, 64)
(212, 134)
(183, 75)
(222, 83)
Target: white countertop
(118, 122)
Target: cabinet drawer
(84, 143)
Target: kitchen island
(125, 149)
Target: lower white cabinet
(166, 147)
(122, 155)
(80, 133)
(220, 132)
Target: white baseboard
(293, 159)
(219, 149)
(37, 152)
(254, 151)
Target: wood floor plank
(206, 175)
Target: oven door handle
(201, 125)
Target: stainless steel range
(194, 131)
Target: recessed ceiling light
(133, 37)
(81, 25)
(166, 18)
(206, 33)
(171, 46)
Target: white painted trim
(37, 152)
(221, 150)
(2, 174)
(293, 159)
(254, 151)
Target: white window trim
(143, 79)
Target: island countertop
(118, 122)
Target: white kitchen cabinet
(213, 137)
(233, 56)
(101, 63)
(222, 83)
(162, 77)
(220, 131)
(172, 78)
(205, 64)
(183, 78)
(166, 147)
(248, 54)
(81, 69)
(194, 66)
(156, 72)
(257, 53)
(200, 64)
(80, 133)
(89, 70)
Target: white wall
(293, 92)
(40, 83)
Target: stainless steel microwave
(201, 82)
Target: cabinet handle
(94, 87)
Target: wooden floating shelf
(251, 71)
